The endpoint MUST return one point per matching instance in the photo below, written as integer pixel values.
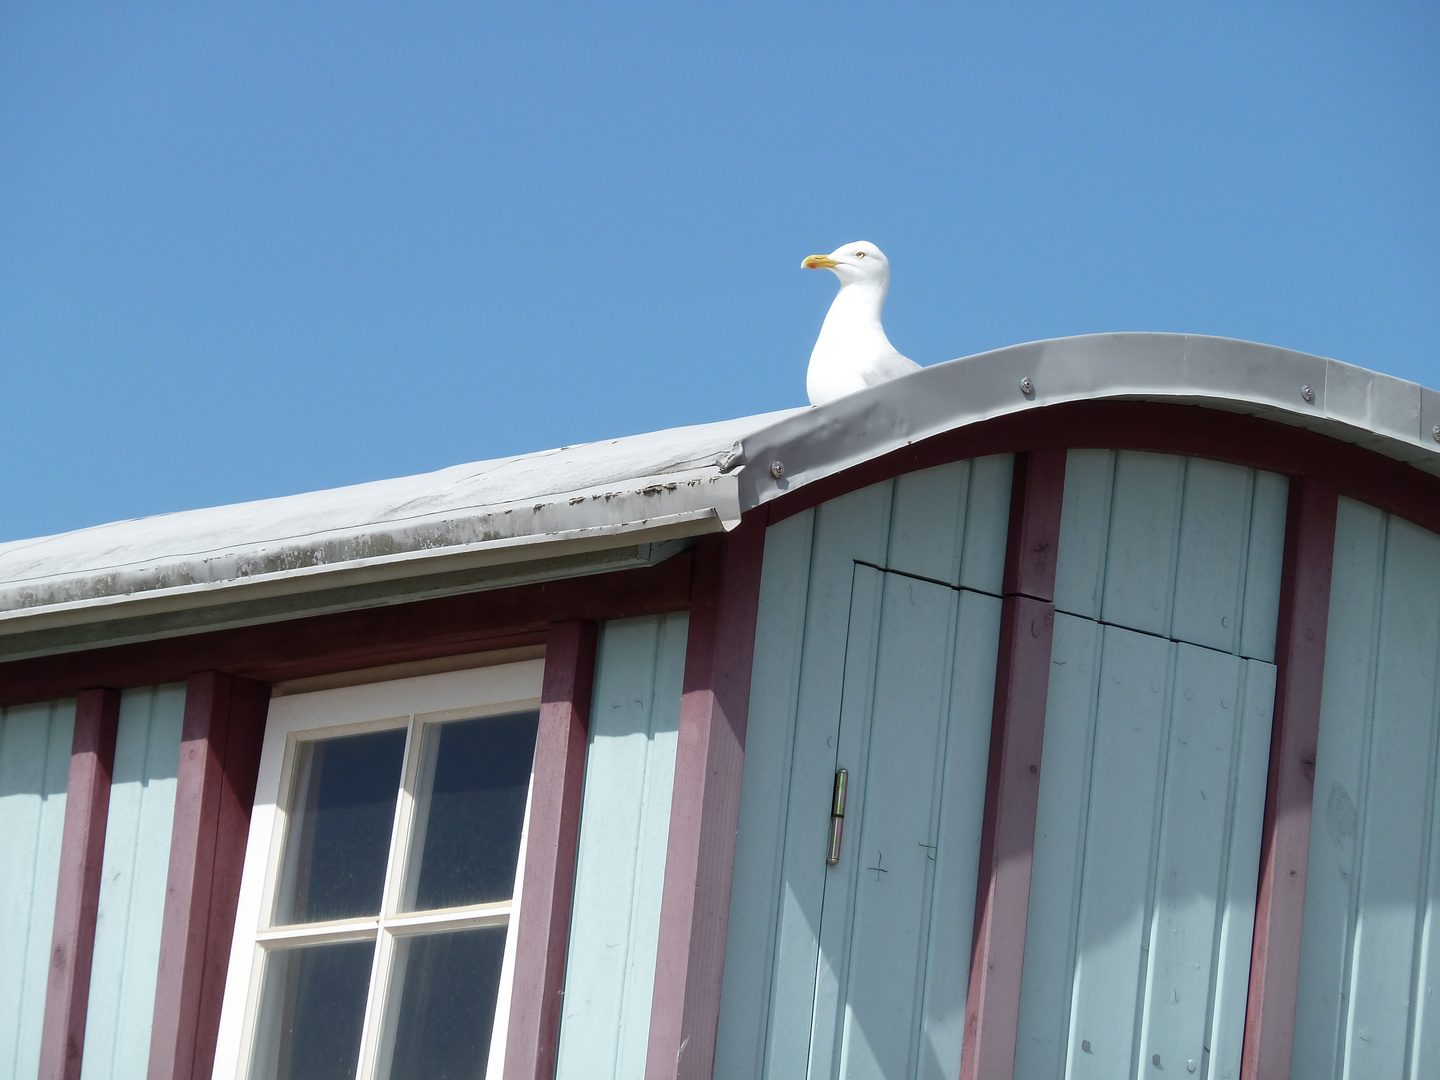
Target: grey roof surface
(626, 501)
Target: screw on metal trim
(1026, 386)
(1307, 393)
(1436, 432)
(777, 469)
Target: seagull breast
(852, 351)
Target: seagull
(852, 351)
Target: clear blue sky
(249, 250)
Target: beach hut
(1068, 710)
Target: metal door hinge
(837, 817)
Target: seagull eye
(859, 254)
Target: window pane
(449, 983)
(311, 1010)
(471, 807)
(340, 821)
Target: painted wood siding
(132, 889)
(948, 526)
(1153, 777)
(1370, 959)
(620, 869)
(34, 770)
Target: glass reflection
(470, 806)
(448, 984)
(340, 822)
(311, 1009)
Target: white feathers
(852, 351)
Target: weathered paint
(947, 525)
(619, 873)
(34, 770)
(1369, 960)
(132, 890)
(1185, 548)
(1143, 887)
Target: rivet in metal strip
(777, 469)
(1307, 393)
(1436, 432)
(1026, 386)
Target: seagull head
(854, 264)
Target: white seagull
(852, 351)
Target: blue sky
(250, 250)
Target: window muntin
(380, 944)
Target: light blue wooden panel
(1142, 898)
(34, 770)
(853, 527)
(987, 523)
(1084, 530)
(620, 868)
(950, 523)
(895, 930)
(1368, 956)
(132, 886)
(1345, 711)
(755, 888)
(927, 522)
(1045, 985)
(1184, 548)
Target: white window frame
(409, 703)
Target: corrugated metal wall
(620, 867)
(132, 887)
(34, 770)
(1370, 959)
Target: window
(372, 936)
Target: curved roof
(620, 502)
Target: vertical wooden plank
(1013, 783)
(132, 893)
(1332, 864)
(1144, 528)
(1264, 566)
(1237, 920)
(1210, 566)
(1195, 828)
(894, 837)
(927, 522)
(986, 548)
(543, 926)
(759, 846)
(709, 762)
(35, 744)
(1084, 532)
(1304, 604)
(1059, 848)
(1111, 931)
(951, 916)
(628, 722)
(1395, 816)
(87, 803)
(215, 788)
(850, 528)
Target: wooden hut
(1068, 711)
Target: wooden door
(898, 909)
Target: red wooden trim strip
(1163, 428)
(543, 930)
(215, 789)
(705, 807)
(1012, 788)
(1290, 793)
(82, 852)
(321, 644)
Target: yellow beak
(818, 262)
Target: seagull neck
(862, 297)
